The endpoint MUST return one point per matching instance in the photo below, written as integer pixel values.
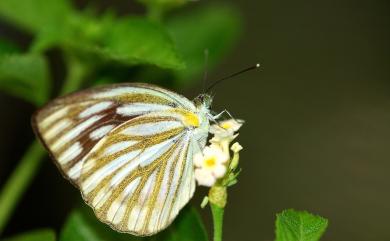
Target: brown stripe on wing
(130, 202)
(142, 144)
(109, 117)
(88, 143)
(157, 189)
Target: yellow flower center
(210, 162)
(226, 125)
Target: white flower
(230, 126)
(224, 130)
(214, 163)
(210, 165)
(204, 178)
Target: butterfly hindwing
(140, 175)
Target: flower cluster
(215, 163)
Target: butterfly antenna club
(232, 75)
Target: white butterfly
(129, 148)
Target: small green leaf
(36, 235)
(25, 76)
(82, 225)
(294, 225)
(231, 178)
(33, 15)
(214, 27)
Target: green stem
(29, 165)
(18, 181)
(77, 70)
(217, 213)
(218, 199)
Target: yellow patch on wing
(189, 119)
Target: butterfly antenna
(232, 75)
(205, 74)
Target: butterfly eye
(203, 100)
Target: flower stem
(218, 199)
(29, 165)
(217, 213)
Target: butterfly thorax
(203, 103)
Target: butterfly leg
(217, 116)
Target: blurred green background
(317, 132)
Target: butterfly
(129, 149)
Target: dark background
(317, 132)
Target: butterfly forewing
(128, 148)
(71, 126)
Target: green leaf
(188, 226)
(33, 15)
(214, 27)
(81, 29)
(134, 40)
(50, 37)
(82, 225)
(294, 225)
(25, 76)
(36, 235)
(129, 41)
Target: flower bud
(236, 147)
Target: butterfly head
(203, 101)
